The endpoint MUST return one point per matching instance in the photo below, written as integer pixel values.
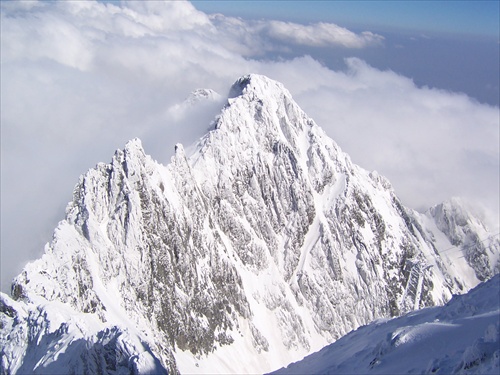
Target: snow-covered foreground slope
(262, 246)
(462, 337)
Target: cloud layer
(79, 79)
(321, 35)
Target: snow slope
(462, 337)
(262, 245)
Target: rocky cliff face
(265, 244)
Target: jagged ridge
(267, 240)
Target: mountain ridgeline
(262, 246)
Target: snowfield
(461, 337)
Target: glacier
(261, 245)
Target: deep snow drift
(462, 337)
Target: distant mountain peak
(202, 94)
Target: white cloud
(321, 34)
(79, 79)
(253, 38)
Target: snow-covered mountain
(462, 337)
(263, 245)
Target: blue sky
(480, 18)
(451, 45)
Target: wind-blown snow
(462, 337)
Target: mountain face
(462, 337)
(465, 231)
(263, 245)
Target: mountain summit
(263, 245)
